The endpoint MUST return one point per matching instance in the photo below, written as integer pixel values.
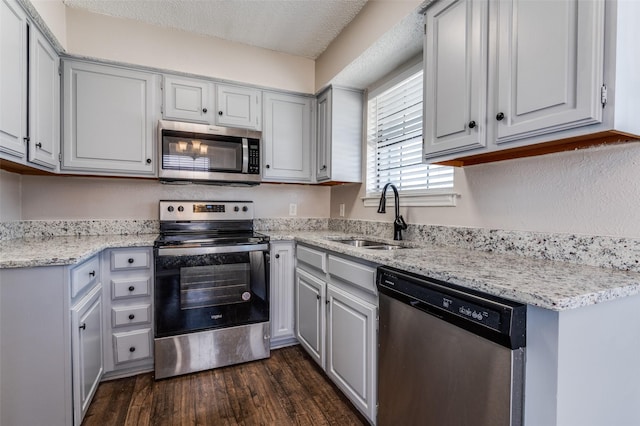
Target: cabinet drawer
(312, 257)
(355, 273)
(129, 259)
(84, 275)
(130, 315)
(129, 287)
(132, 345)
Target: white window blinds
(394, 138)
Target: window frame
(440, 197)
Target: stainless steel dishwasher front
(447, 355)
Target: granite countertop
(548, 284)
(67, 250)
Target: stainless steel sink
(370, 244)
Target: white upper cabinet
(339, 135)
(187, 99)
(44, 103)
(110, 117)
(238, 107)
(503, 74)
(547, 77)
(13, 80)
(287, 138)
(455, 76)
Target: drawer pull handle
(132, 349)
(131, 288)
(130, 260)
(131, 316)
(83, 326)
(92, 273)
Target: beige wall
(593, 191)
(59, 197)
(54, 13)
(124, 40)
(374, 20)
(10, 196)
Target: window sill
(435, 199)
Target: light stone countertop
(67, 250)
(548, 284)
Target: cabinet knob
(132, 349)
(318, 296)
(472, 124)
(38, 145)
(130, 260)
(204, 110)
(277, 256)
(131, 316)
(500, 116)
(131, 288)
(148, 160)
(219, 112)
(92, 273)
(83, 326)
(267, 166)
(324, 167)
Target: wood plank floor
(286, 389)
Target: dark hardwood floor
(286, 389)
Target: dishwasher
(447, 355)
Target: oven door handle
(194, 251)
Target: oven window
(206, 155)
(214, 285)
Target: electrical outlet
(341, 210)
(293, 209)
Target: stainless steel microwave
(208, 154)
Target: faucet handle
(400, 222)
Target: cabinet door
(109, 120)
(44, 102)
(187, 99)
(548, 77)
(455, 76)
(310, 314)
(13, 79)
(281, 282)
(238, 107)
(86, 343)
(351, 348)
(323, 137)
(287, 138)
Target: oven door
(202, 288)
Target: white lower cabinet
(336, 322)
(128, 312)
(281, 285)
(86, 344)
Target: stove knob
(180, 208)
(236, 209)
(245, 208)
(170, 208)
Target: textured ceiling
(297, 27)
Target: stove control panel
(206, 210)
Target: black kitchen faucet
(398, 223)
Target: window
(394, 141)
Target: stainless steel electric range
(211, 287)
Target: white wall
(124, 40)
(54, 13)
(594, 191)
(59, 197)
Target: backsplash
(604, 252)
(60, 228)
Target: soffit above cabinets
(297, 27)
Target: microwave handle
(245, 155)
